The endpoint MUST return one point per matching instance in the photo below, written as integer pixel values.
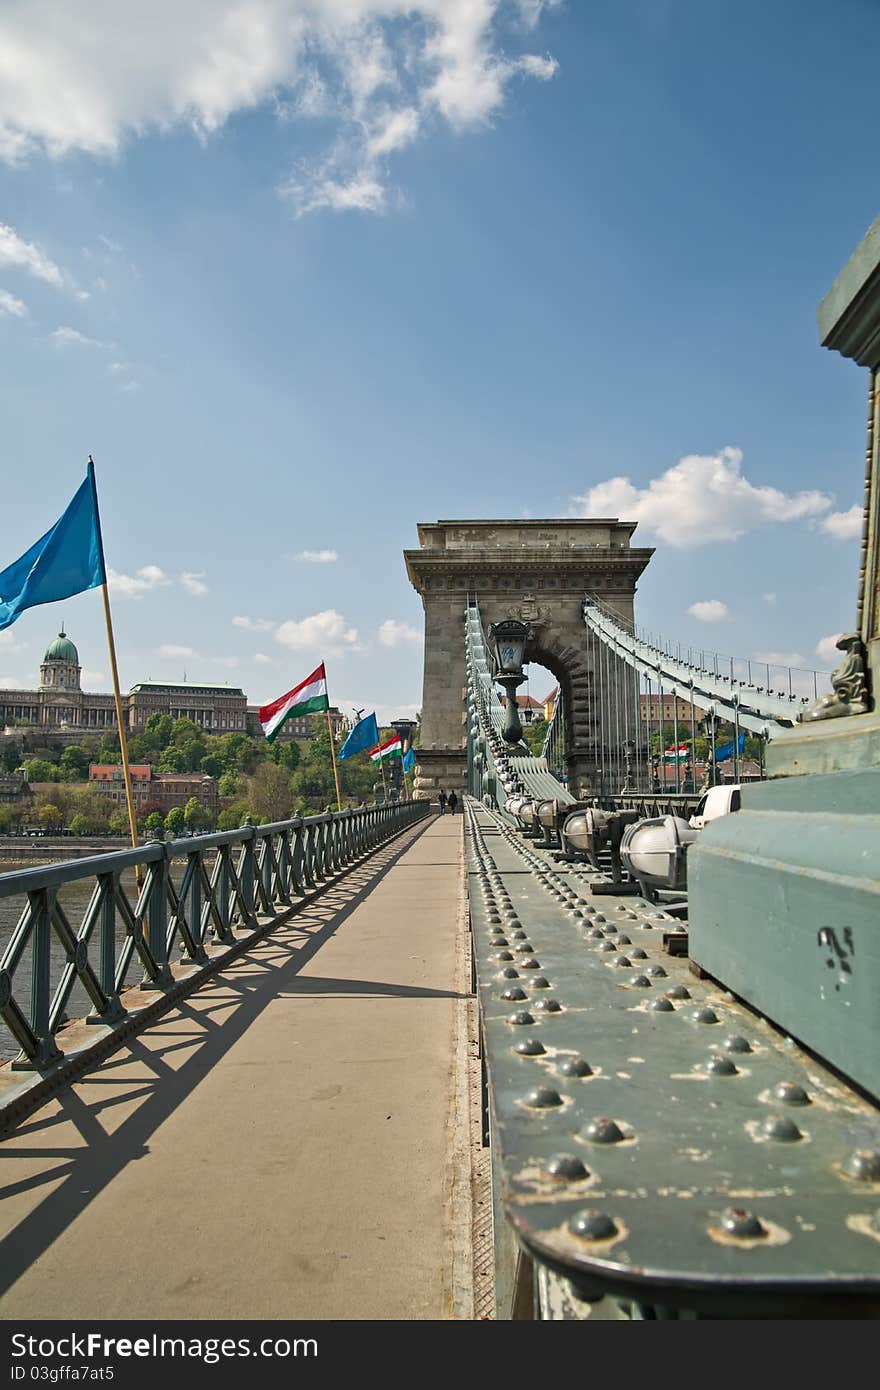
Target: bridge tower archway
(537, 571)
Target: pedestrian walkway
(289, 1142)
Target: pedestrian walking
(442, 802)
(453, 802)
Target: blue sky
(302, 273)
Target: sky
(300, 274)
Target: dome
(62, 649)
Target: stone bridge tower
(538, 571)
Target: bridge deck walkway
(288, 1142)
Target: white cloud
(262, 659)
(710, 610)
(828, 651)
(170, 649)
(780, 658)
(393, 634)
(769, 598)
(92, 678)
(9, 642)
(71, 337)
(93, 77)
(327, 631)
(143, 581)
(229, 661)
(194, 583)
(317, 557)
(844, 526)
(24, 255)
(702, 498)
(10, 307)
(253, 624)
(10, 683)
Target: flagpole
(117, 695)
(333, 756)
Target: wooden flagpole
(333, 756)
(117, 695)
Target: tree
(193, 815)
(213, 765)
(118, 822)
(271, 794)
(230, 784)
(286, 754)
(79, 825)
(39, 770)
(154, 820)
(10, 818)
(160, 727)
(74, 764)
(49, 817)
(174, 821)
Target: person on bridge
(441, 801)
(453, 802)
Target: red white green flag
(309, 697)
(392, 747)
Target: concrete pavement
(289, 1142)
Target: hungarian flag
(391, 748)
(309, 697)
(676, 754)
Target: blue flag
(725, 750)
(409, 759)
(365, 734)
(66, 561)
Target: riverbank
(37, 849)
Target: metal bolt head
(592, 1225)
(574, 1066)
(567, 1168)
(607, 946)
(705, 1016)
(539, 982)
(595, 934)
(662, 1006)
(548, 1006)
(721, 1066)
(781, 1129)
(638, 954)
(863, 1164)
(640, 982)
(625, 941)
(603, 1131)
(543, 1098)
(503, 955)
(520, 1019)
(509, 973)
(678, 992)
(741, 1223)
(655, 971)
(530, 964)
(737, 1043)
(790, 1093)
(514, 993)
(530, 1047)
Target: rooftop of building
(62, 649)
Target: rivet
(596, 934)
(599, 917)
(655, 971)
(704, 1016)
(607, 946)
(780, 1128)
(530, 1047)
(638, 954)
(568, 1168)
(622, 960)
(678, 992)
(530, 964)
(548, 1006)
(625, 941)
(503, 955)
(640, 982)
(575, 1066)
(736, 1043)
(790, 1093)
(721, 1066)
(518, 935)
(863, 1164)
(576, 915)
(509, 973)
(662, 1006)
(515, 993)
(737, 1221)
(602, 1131)
(539, 982)
(498, 941)
(592, 1225)
(519, 1019)
(543, 1097)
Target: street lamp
(507, 647)
(405, 728)
(709, 724)
(629, 750)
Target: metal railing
(229, 880)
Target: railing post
(265, 866)
(157, 922)
(42, 903)
(225, 933)
(107, 952)
(284, 867)
(194, 910)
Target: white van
(718, 801)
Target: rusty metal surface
(655, 1139)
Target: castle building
(61, 707)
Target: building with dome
(63, 709)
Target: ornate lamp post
(507, 646)
(709, 724)
(406, 729)
(629, 750)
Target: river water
(74, 898)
